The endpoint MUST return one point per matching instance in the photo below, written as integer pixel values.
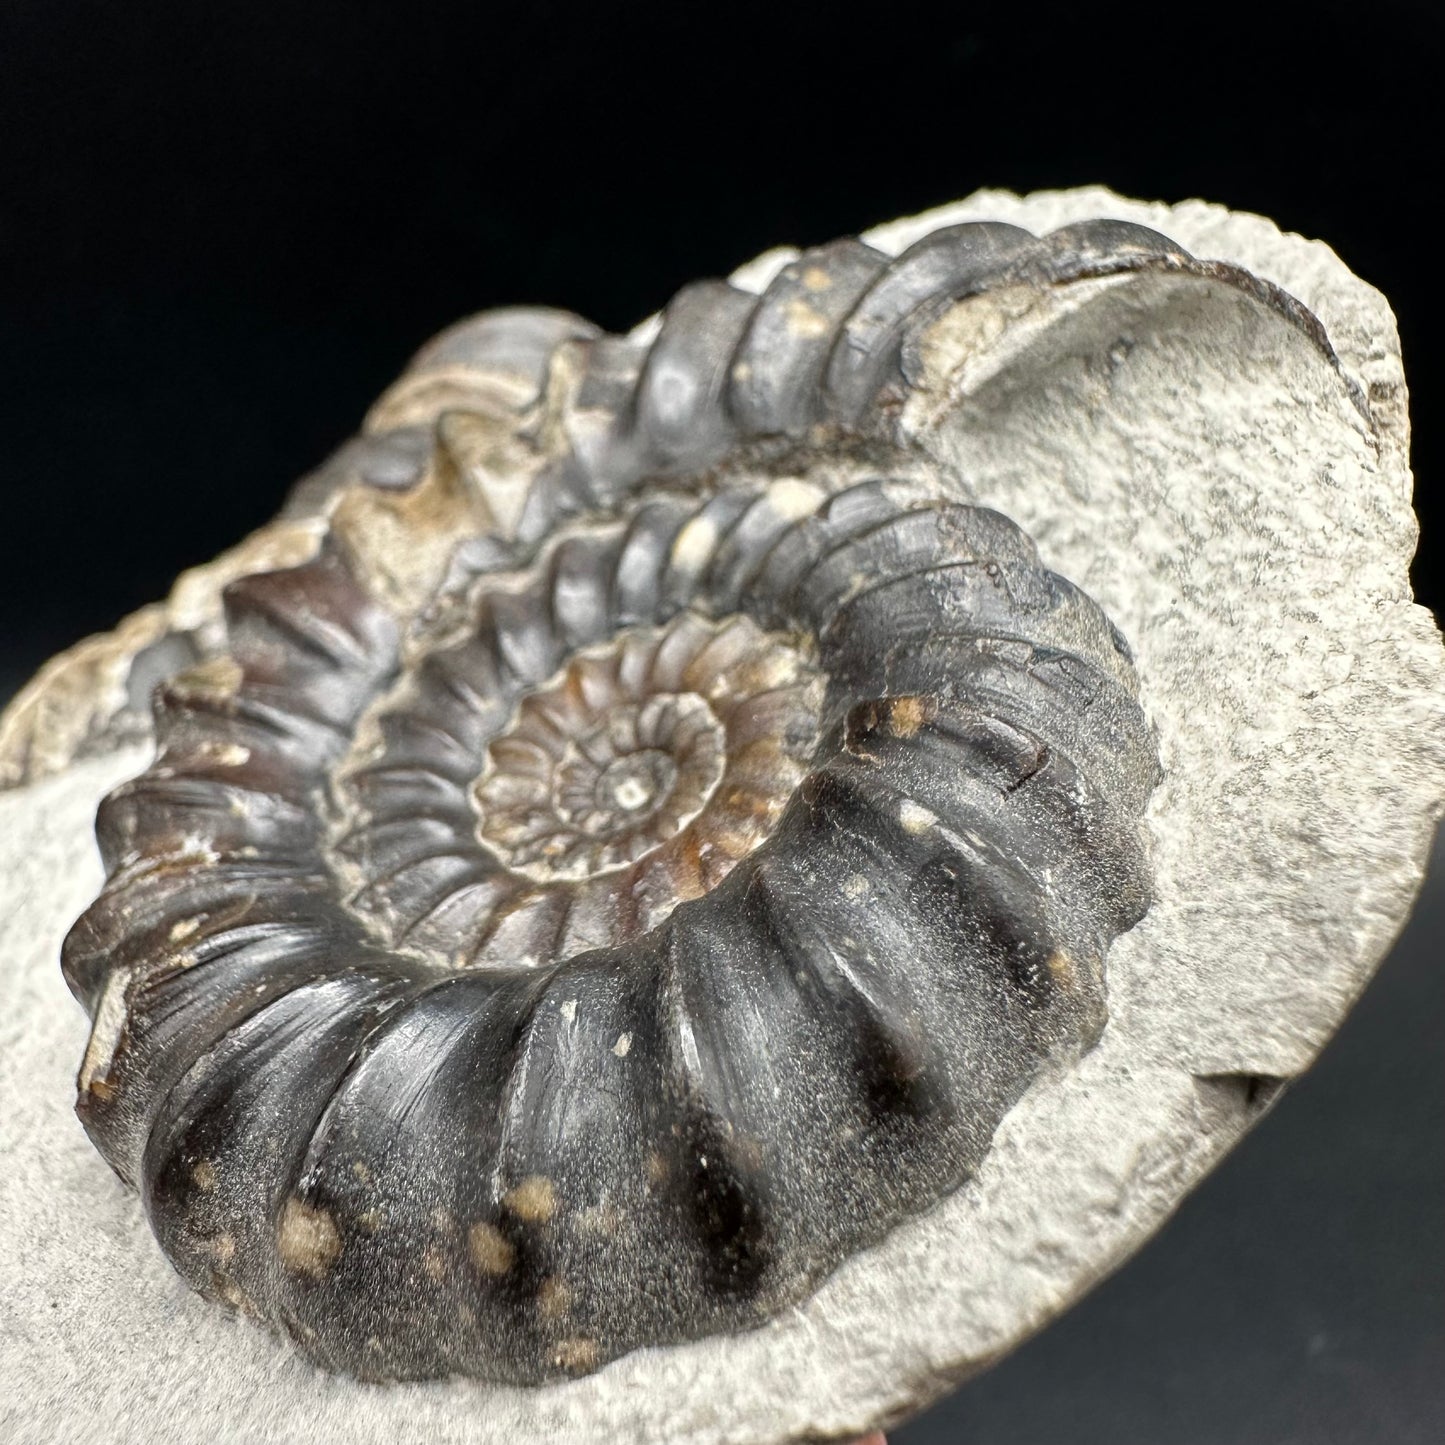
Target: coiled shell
(641, 856)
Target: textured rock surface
(1241, 509)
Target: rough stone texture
(1193, 463)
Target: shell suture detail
(594, 950)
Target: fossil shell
(1176, 438)
(673, 932)
(644, 853)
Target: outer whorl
(594, 948)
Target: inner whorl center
(632, 779)
(631, 786)
(595, 772)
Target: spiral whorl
(599, 958)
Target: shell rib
(594, 950)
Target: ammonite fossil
(646, 824)
(596, 962)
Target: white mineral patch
(1191, 460)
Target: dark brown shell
(598, 957)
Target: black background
(224, 226)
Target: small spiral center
(627, 791)
(568, 793)
(631, 780)
(633, 787)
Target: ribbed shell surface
(601, 969)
